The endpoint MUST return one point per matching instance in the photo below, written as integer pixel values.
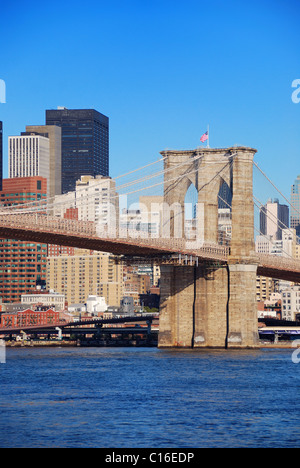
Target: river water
(149, 398)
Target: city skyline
(162, 72)
(79, 135)
(150, 226)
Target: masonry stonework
(210, 305)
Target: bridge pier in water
(204, 307)
(213, 305)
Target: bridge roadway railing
(274, 262)
(43, 223)
(52, 224)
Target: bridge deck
(74, 233)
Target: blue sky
(161, 71)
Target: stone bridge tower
(211, 305)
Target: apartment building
(84, 274)
(290, 303)
(22, 264)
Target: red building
(23, 264)
(29, 317)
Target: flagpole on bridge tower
(207, 136)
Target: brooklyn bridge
(208, 286)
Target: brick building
(23, 264)
(29, 317)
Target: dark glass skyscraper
(85, 143)
(1, 154)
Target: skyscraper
(295, 206)
(28, 156)
(85, 143)
(274, 217)
(37, 152)
(54, 134)
(1, 154)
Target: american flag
(204, 137)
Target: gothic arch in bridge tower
(208, 171)
(225, 195)
(190, 212)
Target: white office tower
(274, 217)
(28, 156)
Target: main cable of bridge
(50, 203)
(177, 178)
(259, 231)
(276, 188)
(44, 204)
(274, 219)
